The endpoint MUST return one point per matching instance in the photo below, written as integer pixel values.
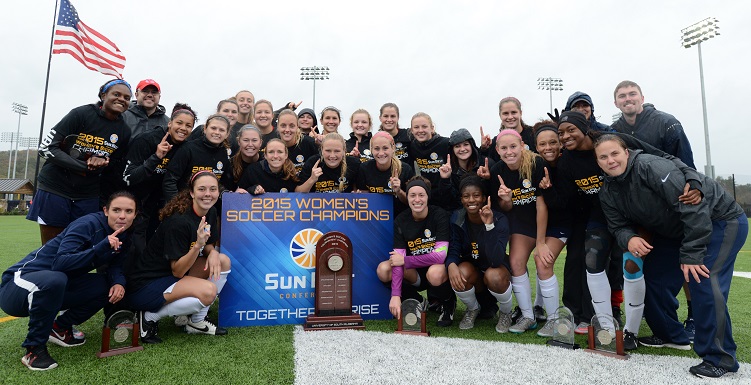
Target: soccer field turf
(261, 355)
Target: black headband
(418, 183)
(575, 118)
(546, 127)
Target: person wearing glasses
(145, 113)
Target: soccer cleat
(582, 328)
(629, 341)
(523, 325)
(707, 370)
(64, 337)
(181, 320)
(447, 312)
(434, 306)
(657, 342)
(149, 330)
(504, 322)
(77, 333)
(540, 315)
(38, 358)
(688, 326)
(516, 314)
(468, 321)
(547, 330)
(204, 327)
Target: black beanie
(575, 118)
(311, 113)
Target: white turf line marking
(361, 357)
(743, 274)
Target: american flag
(88, 46)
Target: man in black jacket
(145, 113)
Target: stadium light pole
(314, 73)
(20, 109)
(6, 137)
(28, 142)
(550, 84)
(694, 35)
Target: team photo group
(128, 204)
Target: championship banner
(271, 240)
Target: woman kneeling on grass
(637, 186)
(181, 272)
(421, 237)
(477, 259)
(56, 277)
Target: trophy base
(423, 334)
(117, 352)
(608, 354)
(353, 321)
(564, 345)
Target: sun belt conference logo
(300, 158)
(113, 138)
(302, 248)
(526, 183)
(427, 233)
(433, 156)
(219, 165)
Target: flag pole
(46, 86)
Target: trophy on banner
(333, 302)
(605, 337)
(414, 318)
(563, 329)
(119, 334)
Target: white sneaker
(468, 322)
(547, 330)
(204, 327)
(523, 325)
(504, 321)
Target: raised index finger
(118, 231)
(165, 137)
(316, 165)
(486, 162)
(482, 133)
(501, 180)
(546, 173)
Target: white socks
(504, 300)
(599, 289)
(523, 294)
(538, 291)
(549, 294)
(469, 298)
(182, 306)
(633, 292)
(222, 280)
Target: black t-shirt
(301, 152)
(370, 178)
(329, 182)
(363, 146)
(420, 237)
(195, 156)
(259, 173)
(429, 157)
(173, 239)
(144, 170)
(524, 193)
(402, 141)
(266, 137)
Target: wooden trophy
(333, 303)
(414, 318)
(605, 338)
(120, 334)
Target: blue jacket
(593, 123)
(490, 245)
(661, 130)
(80, 248)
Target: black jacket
(139, 122)
(646, 194)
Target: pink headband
(383, 134)
(508, 132)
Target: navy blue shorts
(54, 210)
(150, 297)
(530, 230)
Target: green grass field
(262, 355)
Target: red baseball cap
(148, 82)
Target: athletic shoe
(64, 337)
(504, 322)
(547, 330)
(540, 314)
(77, 333)
(707, 370)
(468, 321)
(447, 312)
(582, 328)
(629, 341)
(618, 315)
(181, 320)
(688, 326)
(148, 330)
(434, 306)
(516, 314)
(523, 325)
(657, 342)
(204, 327)
(38, 358)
